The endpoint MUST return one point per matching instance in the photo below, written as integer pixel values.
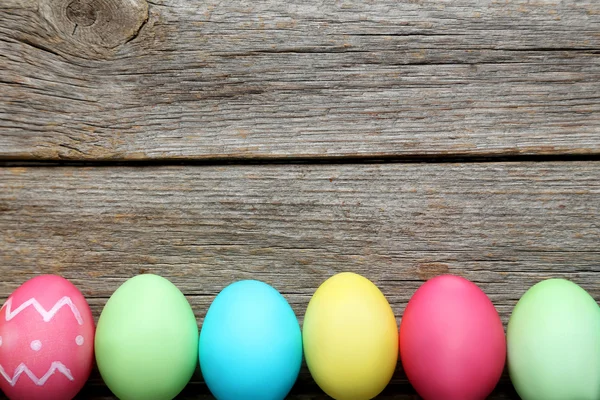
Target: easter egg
(46, 340)
(147, 340)
(250, 343)
(553, 339)
(350, 338)
(452, 342)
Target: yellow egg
(350, 338)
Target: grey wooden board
(505, 226)
(174, 79)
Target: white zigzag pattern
(46, 315)
(56, 366)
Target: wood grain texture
(505, 226)
(174, 79)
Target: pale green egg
(553, 340)
(147, 340)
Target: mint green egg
(553, 340)
(146, 341)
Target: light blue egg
(250, 344)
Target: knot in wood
(93, 28)
(82, 12)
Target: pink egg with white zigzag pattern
(46, 340)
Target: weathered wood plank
(173, 79)
(504, 225)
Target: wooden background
(290, 140)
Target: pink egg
(452, 342)
(46, 340)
